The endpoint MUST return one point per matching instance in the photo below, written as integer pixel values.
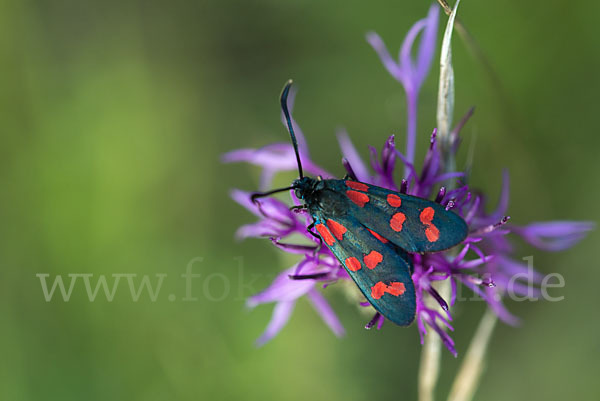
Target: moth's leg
(311, 232)
(309, 229)
(307, 276)
(299, 207)
(349, 177)
(296, 247)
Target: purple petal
(405, 56)
(430, 317)
(294, 248)
(454, 288)
(350, 153)
(473, 208)
(275, 156)
(388, 155)
(499, 309)
(502, 204)
(243, 198)
(271, 208)
(412, 174)
(427, 45)
(476, 262)
(272, 158)
(263, 228)
(266, 178)
(504, 196)
(385, 170)
(374, 161)
(283, 288)
(456, 130)
(326, 313)
(554, 235)
(311, 168)
(281, 315)
(380, 321)
(512, 268)
(447, 176)
(490, 295)
(393, 68)
(461, 255)
(516, 287)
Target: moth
(372, 231)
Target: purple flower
(484, 262)
(409, 73)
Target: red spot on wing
(352, 264)
(359, 186)
(394, 200)
(325, 234)
(372, 259)
(397, 221)
(337, 229)
(378, 290)
(395, 288)
(431, 231)
(379, 237)
(357, 197)
(427, 215)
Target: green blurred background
(114, 115)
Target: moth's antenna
(288, 119)
(257, 195)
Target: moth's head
(304, 187)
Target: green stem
(466, 381)
(429, 368)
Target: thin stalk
(466, 381)
(429, 368)
(411, 105)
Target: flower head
(484, 262)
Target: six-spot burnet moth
(371, 230)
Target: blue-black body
(370, 229)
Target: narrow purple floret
(411, 73)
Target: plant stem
(467, 379)
(431, 355)
(411, 135)
(429, 370)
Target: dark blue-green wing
(414, 224)
(379, 268)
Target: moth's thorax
(319, 196)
